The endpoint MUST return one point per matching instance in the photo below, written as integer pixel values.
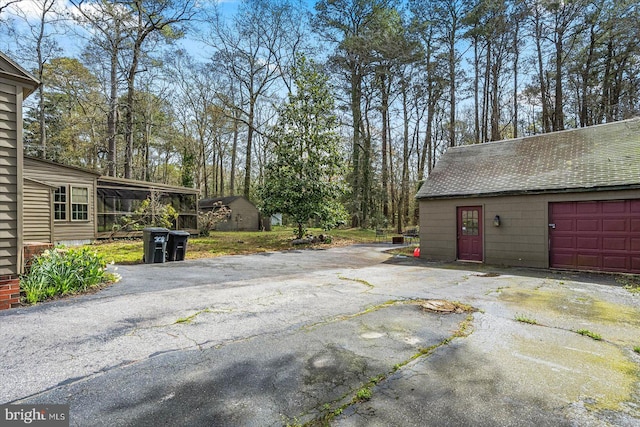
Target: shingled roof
(208, 203)
(586, 159)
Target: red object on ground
(416, 252)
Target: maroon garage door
(595, 235)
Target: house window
(60, 203)
(79, 204)
(470, 224)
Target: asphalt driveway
(339, 337)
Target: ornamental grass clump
(60, 272)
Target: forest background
(187, 92)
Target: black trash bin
(155, 244)
(177, 245)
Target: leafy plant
(633, 289)
(637, 349)
(363, 394)
(524, 319)
(207, 220)
(151, 213)
(64, 271)
(589, 334)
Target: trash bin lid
(179, 233)
(155, 230)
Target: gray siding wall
(523, 236)
(38, 212)
(10, 185)
(67, 231)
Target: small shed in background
(244, 214)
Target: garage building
(568, 200)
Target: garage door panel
(588, 243)
(614, 225)
(614, 243)
(599, 235)
(588, 261)
(562, 208)
(618, 206)
(587, 208)
(564, 242)
(565, 224)
(587, 225)
(615, 263)
(565, 260)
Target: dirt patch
(444, 306)
(487, 275)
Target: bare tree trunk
(516, 57)
(356, 182)
(541, 74)
(249, 146)
(384, 109)
(234, 154)
(558, 114)
(476, 90)
(403, 206)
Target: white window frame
(64, 204)
(72, 212)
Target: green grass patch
(221, 243)
(361, 281)
(633, 289)
(590, 334)
(637, 349)
(629, 282)
(189, 319)
(363, 394)
(524, 319)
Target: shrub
(64, 271)
(208, 220)
(150, 213)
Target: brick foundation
(9, 292)
(32, 250)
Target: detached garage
(567, 200)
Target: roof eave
(532, 192)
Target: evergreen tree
(302, 180)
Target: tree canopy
(303, 180)
(187, 92)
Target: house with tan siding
(73, 204)
(566, 200)
(15, 85)
(37, 211)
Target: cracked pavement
(291, 338)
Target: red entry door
(470, 233)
